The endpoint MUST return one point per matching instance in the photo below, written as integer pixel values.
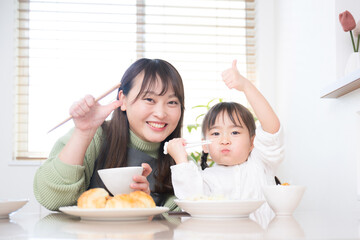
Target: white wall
(322, 135)
(302, 49)
(15, 180)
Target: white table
(303, 225)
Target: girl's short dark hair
(116, 131)
(237, 114)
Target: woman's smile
(158, 126)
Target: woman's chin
(155, 139)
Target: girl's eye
(215, 134)
(235, 133)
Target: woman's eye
(149, 99)
(173, 103)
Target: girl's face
(231, 143)
(151, 117)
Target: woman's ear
(122, 99)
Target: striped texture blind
(68, 48)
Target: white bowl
(283, 200)
(10, 206)
(118, 180)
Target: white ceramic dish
(118, 180)
(219, 208)
(10, 206)
(107, 214)
(283, 200)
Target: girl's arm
(264, 112)
(87, 115)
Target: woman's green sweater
(58, 184)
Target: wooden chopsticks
(96, 100)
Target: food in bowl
(283, 199)
(100, 198)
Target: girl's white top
(243, 181)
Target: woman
(148, 112)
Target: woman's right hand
(89, 115)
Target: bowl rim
(119, 168)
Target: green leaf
(196, 156)
(190, 127)
(198, 106)
(211, 101)
(197, 118)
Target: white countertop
(302, 225)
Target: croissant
(99, 198)
(146, 199)
(93, 198)
(137, 199)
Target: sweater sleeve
(169, 202)
(187, 180)
(58, 184)
(269, 148)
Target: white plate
(108, 214)
(219, 208)
(9, 206)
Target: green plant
(206, 108)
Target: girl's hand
(141, 182)
(233, 79)
(88, 114)
(176, 148)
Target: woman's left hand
(141, 182)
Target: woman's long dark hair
(116, 131)
(236, 113)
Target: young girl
(148, 112)
(245, 161)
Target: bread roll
(146, 199)
(124, 201)
(93, 198)
(99, 198)
(137, 199)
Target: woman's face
(231, 143)
(151, 117)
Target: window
(69, 48)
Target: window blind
(68, 48)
